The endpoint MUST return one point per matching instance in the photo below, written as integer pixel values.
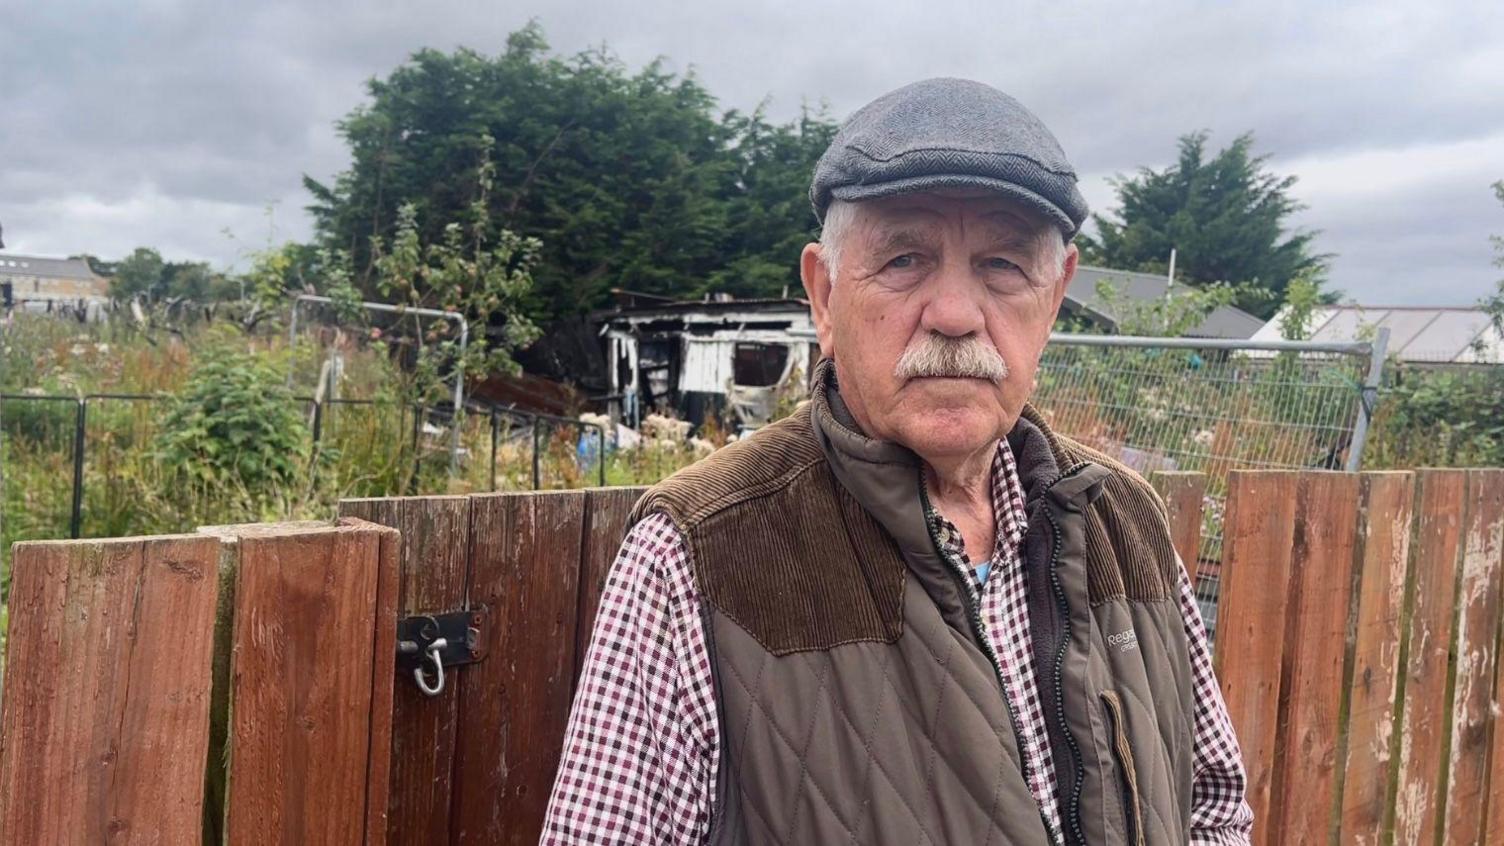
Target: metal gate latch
(427, 643)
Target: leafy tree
(630, 179)
(139, 274)
(1226, 216)
(467, 270)
(145, 274)
(192, 280)
(1302, 296)
(768, 216)
(97, 264)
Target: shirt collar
(1007, 509)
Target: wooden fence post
(105, 728)
(1184, 495)
(310, 697)
(1257, 540)
(1385, 518)
(1441, 500)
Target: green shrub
(235, 425)
(1440, 418)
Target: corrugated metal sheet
(1420, 334)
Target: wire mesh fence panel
(37, 444)
(1205, 409)
(127, 485)
(568, 453)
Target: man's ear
(817, 284)
(1067, 273)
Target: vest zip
(974, 618)
(1072, 814)
(1132, 808)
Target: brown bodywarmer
(859, 701)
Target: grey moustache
(941, 356)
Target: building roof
(1420, 334)
(1083, 296)
(46, 268)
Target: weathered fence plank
(1441, 495)
(525, 567)
(606, 511)
(1477, 638)
(433, 572)
(1493, 822)
(1256, 554)
(306, 716)
(1385, 515)
(1184, 495)
(383, 643)
(106, 716)
(1321, 568)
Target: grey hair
(841, 214)
(838, 219)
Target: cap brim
(925, 184)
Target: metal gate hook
(438, 668)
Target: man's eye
(904, 261)
(998, 263)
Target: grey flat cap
(949, 133)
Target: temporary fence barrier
(1213, 406)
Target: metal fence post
(602, 455)
(318, 421)
(1368, 398)
(495, 433)
(417, 451)
(459, 376)
(537, 469)
(75, 523)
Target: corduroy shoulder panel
(780, 548)
(1128, 548)
(746, 469)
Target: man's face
(919, 266)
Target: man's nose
(954, 308)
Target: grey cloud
(187, 118)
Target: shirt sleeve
(1220, 815)
(641, 749)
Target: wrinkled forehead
(985, 211)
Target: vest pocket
(1124, 754)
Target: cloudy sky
(187, 126)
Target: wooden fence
(237, 685)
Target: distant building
(36, 283)
(1083, 299)
(1417, 334)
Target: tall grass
(384, 448)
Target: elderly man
(909, 613)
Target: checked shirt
(640, 755)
